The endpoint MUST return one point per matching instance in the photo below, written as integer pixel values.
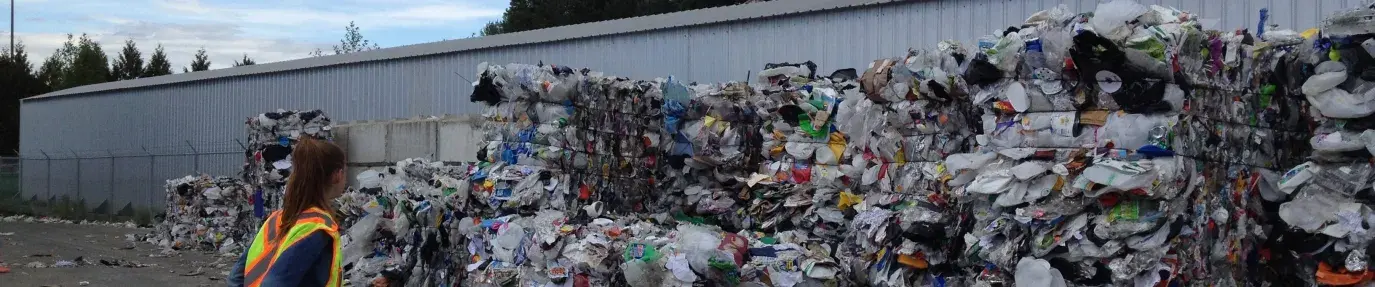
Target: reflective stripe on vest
(268, 244)
(254, 267)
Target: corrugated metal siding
(35, 183)
(64, 179)
(213, 112)
(96, 181)
(132, 183)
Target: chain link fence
(11, 199)
(111, 184)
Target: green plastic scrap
(384, 202)
(679, 216)
(972, 253)
(1265, 93)
(1151, 46)
(408, 210)
(904, 205)
(768, 240)
(805, 123)
(728, 267)
(1046, 239)
(641, 251)
(723, 264)
(1130, 210)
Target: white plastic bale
(206, 214)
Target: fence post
(19, 166)
(49, 160)
(111, 199)
(21, 186)
(21, 182)
(78, 180)
(245, 151)
(152, 184)
(197, 156)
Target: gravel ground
(51, 242)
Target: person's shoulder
(322, 236)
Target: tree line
(82, 61)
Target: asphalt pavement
(24, 246)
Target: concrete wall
(383, 143)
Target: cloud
(373, 15)
(265, 30)
(193, 6)
(224, 43)
(39, 46)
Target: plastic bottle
(987, 42)
(1035, 58)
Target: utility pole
(12, 52)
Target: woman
(299, 245)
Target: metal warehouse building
(116, 143)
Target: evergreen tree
(50, 73)
(201, 63)
(88, 65)
(158, 64)
(19, 58)
(129, 65)
(525, 15)
(493, 28)
(353, 41)
(245, 62)
(53, 71)
(19, 81)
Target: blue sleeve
(236, 276)
(297, 266)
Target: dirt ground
(30, 242)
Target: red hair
(313, 164)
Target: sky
(265, 30)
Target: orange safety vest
(268, 244)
